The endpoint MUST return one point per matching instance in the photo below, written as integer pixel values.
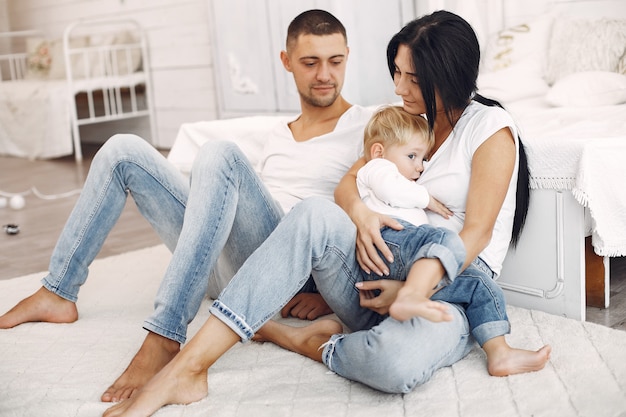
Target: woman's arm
(492, 167)
(367, 222)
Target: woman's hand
(379, 303)
(368, 224)
(438, 207)
(369, 240)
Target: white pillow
(580, 45)
(39, 58)
(57, 69)
(516, 82)
(517, 44)
(127, 59)
(589, 88)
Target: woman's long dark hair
(446, 57)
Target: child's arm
(438, 207)
(391, 187)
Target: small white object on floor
(17, 202)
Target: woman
(472, 170)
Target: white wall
(4, 15)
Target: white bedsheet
(35, 119)
(582, 149)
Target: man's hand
(306, 306)
(388, 291)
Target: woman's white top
(447, 175)
(385, 190)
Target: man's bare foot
(43, 305)
(155, 352)
(177, 383)
(306, 306)
(502, 360)
(305, 340)
(412, 304)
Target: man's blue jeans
(225, 206)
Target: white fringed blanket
(582, 149)
(61, 370)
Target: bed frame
(104, 81)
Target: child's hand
(436, 206)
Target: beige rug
(61, 370)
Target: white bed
(97, 72)
(561, 74)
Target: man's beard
(325, 101)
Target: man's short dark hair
(314, 22)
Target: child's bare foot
(305, 340)
(41, 306)
(155, 352)
(409, 304)
(502, 360)
(176, 383)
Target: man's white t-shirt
(385, 190)
(293, 171)
(447, 175)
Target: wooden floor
(41, 221)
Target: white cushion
(526, 42)
(579, 45)
(516, 82)
(589, 88)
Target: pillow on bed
(527, 42)
(39, 58)
(589, 88)
(126, 63)
(57, 69)
(127, 60)
(512, 83)
(580, 45)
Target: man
(226, 210)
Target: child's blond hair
(392, 125)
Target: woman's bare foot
(409, 304)
(41, 306)
(503, 360)
(184, 379)
(177, 383)
(155, 352)
(305, 340)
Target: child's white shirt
(385, 190)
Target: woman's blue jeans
(316, 237)
(225, 207)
